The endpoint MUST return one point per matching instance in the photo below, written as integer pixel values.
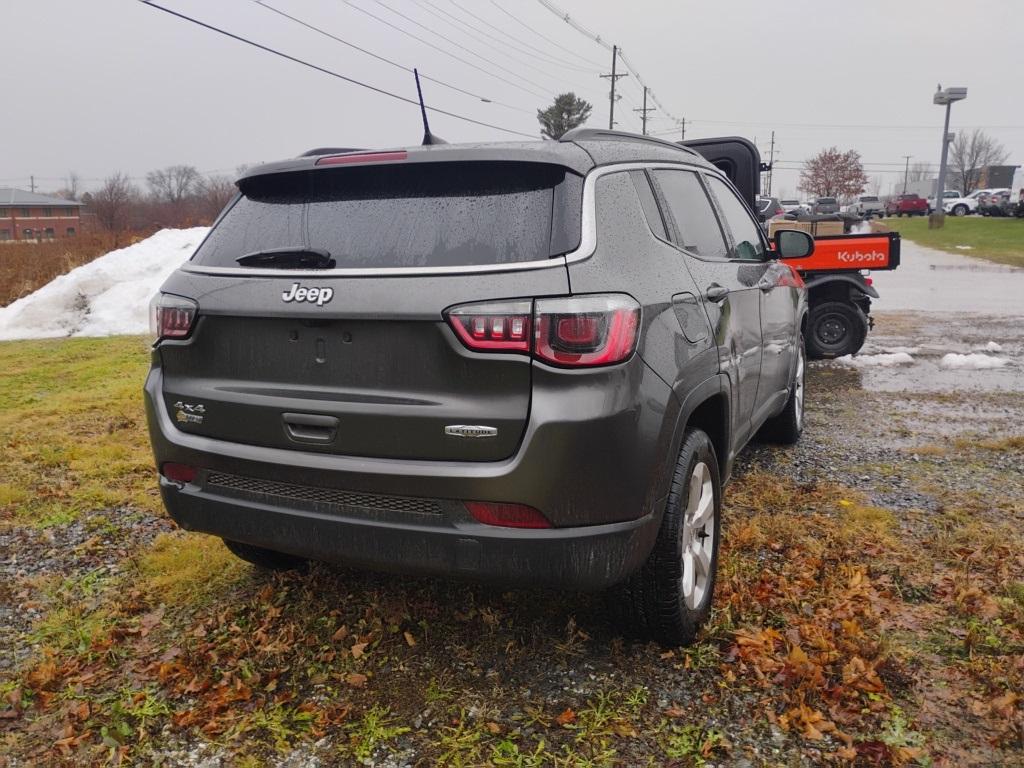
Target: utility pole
(906, 172)
(643, 112)
(771, 164)
(682, 132)
(32, 183)
(613, 77)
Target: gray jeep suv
(531, 362)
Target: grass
(996, 239)
(72, 428)
(829, 614)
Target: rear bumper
(596, 466)
(589, 557)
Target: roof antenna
(428, 137)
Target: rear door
(728, 293)
(357, 359)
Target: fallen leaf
(340, 633)
(356, 679)
(568, 716)
(493, 728)
(410, 639)
(358, 650)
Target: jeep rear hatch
(329, 336)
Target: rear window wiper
(289, 257)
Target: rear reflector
(363, 157)
(571, 332)
(178, 473)
(506, 515)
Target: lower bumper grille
(318, 498)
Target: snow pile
(965, 247)
(109, 295)
(974, 361)
(904, 350)
(884, 360)
(861, 228)
(993, 346)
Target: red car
(906, 205)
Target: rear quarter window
(414, 215)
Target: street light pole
(944, 98)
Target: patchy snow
(884, 360)
(965, 247)
(993, 346)
(903, 350)
(861, 228)
(109, 295)
(974, 361)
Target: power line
(600, 41)
(474, 32)
(451, 42)
(387, 60)
(325, 71)
(555, 43)
(459, 59)
(504, 33)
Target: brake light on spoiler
(570, 332)
(363, 157)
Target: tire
(669, 599)
(836, 328)
(959, 210)
(267, 559)
(786, 428)
(899, 214)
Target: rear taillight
(179, 473)
(507, 515)
(171, 317)
(497, 326)
(571, 332)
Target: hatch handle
(310, 427)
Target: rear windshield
(790, 202)
(869, 199)
(414, 215)
(826, 200)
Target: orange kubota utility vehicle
(836, 274)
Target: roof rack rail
(330, 151)
(603, 134)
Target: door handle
(716, 292)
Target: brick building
(28, 216)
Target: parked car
(989, 199)
(949, 194)
(867, 206)
(432, 396)
(996, 203)
(906, 205)
(825, 205)
(789, 206)
(769, 207)
(961, 206)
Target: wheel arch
(706, 407)
(836, 287)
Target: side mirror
(793, 244)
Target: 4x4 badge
(318, 296)
(190, 413)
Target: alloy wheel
(697, 535)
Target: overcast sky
(106, 85)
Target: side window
(748, 243)
(690, 213)
(648, 203)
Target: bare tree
(969, 153)
(70, 190)
(832, 173)
(214, 193)
(112, 201)
(919, 172)
(875, 185)
(173, 184)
